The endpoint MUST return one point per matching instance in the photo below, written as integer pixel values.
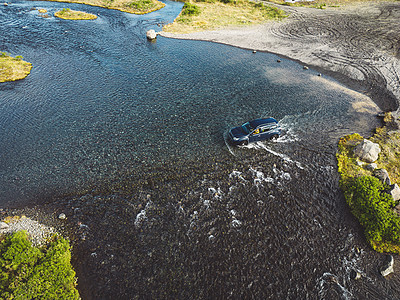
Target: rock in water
(151, 34)
(355, 275)
(367, 151)
(387, 268)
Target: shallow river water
(128, 138)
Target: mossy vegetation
(29, 272)
(367, 196)
(13, 68)
(69, 14)
(211, 14)
(135, 7)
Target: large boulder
(367, 151)
(387, 268)
(382, 175)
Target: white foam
(331, 278)
(281, 155)
(140, 218)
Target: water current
(129, 138)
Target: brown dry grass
(12, 69)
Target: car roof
(257, 122)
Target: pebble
(305, 67)
(278, 60)
(62, 216)
(355, 275)
(254, 51)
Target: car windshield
(246, 128)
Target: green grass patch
(29, 272)
(366, 195)
(211, 14)
(13, 68)
(69, 14)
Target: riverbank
(358, 44)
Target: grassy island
(29, 272)
(69, 14)
(366, 195)
(12, 69)
(212, 14)
(138, 7)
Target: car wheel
(274, 137)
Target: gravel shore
(357, 44)
(38, 233)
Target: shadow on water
(128, 138)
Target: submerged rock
(354, 274)
(367, 151)
(387, 268)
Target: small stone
(3, 225)
(319, 74)
(305, 67)
(387, 268)
(355, 275)
(254, 51)
(372, 166)
(5, 4)
(62, 216)
(43, 10)
(381, 115)
(278, 61)
(383, 176)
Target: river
(129, 138)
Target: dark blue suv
(256, 130)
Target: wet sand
(358, 44)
